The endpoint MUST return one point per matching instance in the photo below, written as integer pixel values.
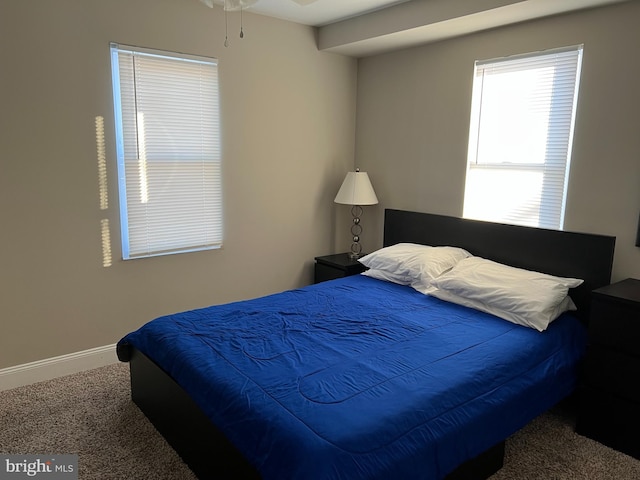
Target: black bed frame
(565, 254)
(210, 455)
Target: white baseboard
(55, 367)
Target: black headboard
(567, 254)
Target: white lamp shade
(356, 190)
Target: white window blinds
(168, 149)
(522, 118)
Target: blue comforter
(360, 378)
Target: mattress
(361, 378)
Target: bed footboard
(206, 450)
(181, 422)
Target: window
(168, 151)
(522, 117)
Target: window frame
(549, 170)
(215, 183)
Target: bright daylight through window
(522, 117)
(168, 150)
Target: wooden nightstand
(329, 267)
(609, 408)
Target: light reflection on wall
(102, 164)
(105, 231)
(106, 242)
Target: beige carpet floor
(91, 414)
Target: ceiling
(320, 12)
(366, 27)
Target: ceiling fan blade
(230, 5)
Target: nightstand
(329, 267)
(609, 403)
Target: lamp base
(356, 230)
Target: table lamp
(356, 190)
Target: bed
(364, 378)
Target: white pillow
(520, 296)
(406, 263)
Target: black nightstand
(609, 408)
(329, 267)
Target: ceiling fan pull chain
(226, 27)
(241, 29)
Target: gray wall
(288, 133)
(290, 130)
(413, 122)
